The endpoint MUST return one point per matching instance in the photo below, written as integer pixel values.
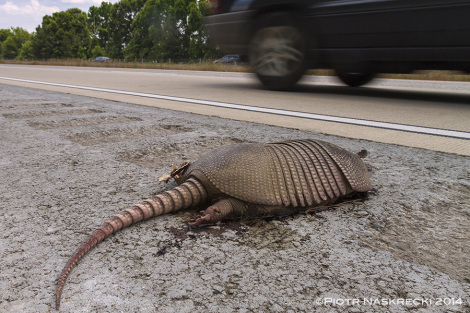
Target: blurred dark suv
(281, 39)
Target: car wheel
(354, 79)
(278, 52)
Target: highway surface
(423, 114)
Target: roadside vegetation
(209, 65)
(127, 30)
(191, 65)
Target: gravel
(68, 163)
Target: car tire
(354, 78)
(278, 51)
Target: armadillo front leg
(233, 208)
(222, 209)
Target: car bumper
(230, 32)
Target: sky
(28, 14)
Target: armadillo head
(176, 173)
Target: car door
(391, 23)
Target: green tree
(63, 35)
(198, 39)
(20, 35)
(26, 51)
(96, 49)
(98, 20)
(128, 29)
(150, 31)
(11, 45)
(4, 33)
(120, 26)
(168, 29)
(9, 48)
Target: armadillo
(245, 180)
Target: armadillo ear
(178, 171)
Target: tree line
(128, 30)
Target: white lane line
(312, 116)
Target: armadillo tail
(186, 195)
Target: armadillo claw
(200, 220)
(209, 216)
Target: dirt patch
(28, 106)
(255, 234)
(13, 100)
(77, 122)
(271, 235)
(35, 114)
(122, 134)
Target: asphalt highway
(424, 114)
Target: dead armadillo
(245, 180)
